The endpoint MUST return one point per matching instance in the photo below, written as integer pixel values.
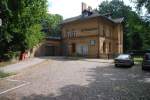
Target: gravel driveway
(81, 79)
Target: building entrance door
(73, 47)
(82, 49)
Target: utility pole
(0, 22)
(0, 18)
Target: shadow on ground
(62, 58)
(66, 58)
(109, 83)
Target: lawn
(3, 64)
(138, 59)
(3, 74)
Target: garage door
(50, 51)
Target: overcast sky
(71, 8)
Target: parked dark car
(146, 61)
(124, 60)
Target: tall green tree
(143, 3)
(52, 24)
(136, 41)
(132, 22)
(146, 21)
(146, 34)
(21, 29)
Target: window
(109, 47)
(104, 47)
(92, 42)
(71, 34)
(74, 34)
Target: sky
(71, 8)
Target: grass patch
(5, 63)
(138, 60)
(3, 74)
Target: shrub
(10, 55)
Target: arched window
(73, 47)
(104, 47)
(109, 47)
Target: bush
(2, 74)
(10, 55)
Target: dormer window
(86, 13)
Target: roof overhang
(80, 18)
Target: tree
(115, 7)
(143, 3)
(132, 22)
(52, 24)
(136, 41)
(146, 34)
(21, 29)
(145, 20)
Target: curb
(17, 72)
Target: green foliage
(134, 26)
(136, 39)
(21, 29)
(143, 3)
(11, 54)
(52, 23)
(138, 59)
(116, 7)
(33, 36)
(2, 74)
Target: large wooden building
(92, 35)
(89, 34)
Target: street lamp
(0, 17)
(0, 22)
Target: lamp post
(0, 19)
(0, 22)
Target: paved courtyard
(77, 79)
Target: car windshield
(123, 57)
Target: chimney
(83, 6)
(89, 8)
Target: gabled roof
(118, 20)
(80, 17)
